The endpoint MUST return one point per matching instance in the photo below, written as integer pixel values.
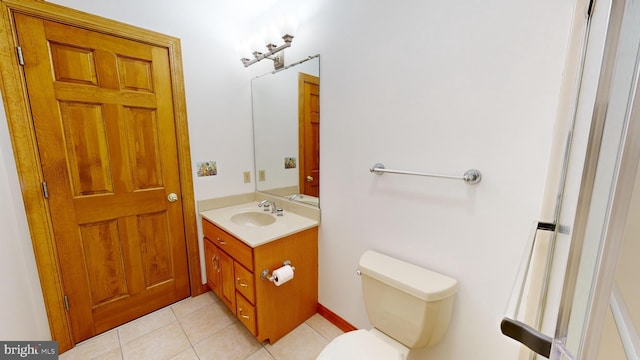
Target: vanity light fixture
(275, 53)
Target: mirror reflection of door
(309, 134)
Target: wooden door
(309, 137)
(103, 116)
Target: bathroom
(417, 85)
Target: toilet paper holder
(265, 273)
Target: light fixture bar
(278, 60)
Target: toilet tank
(406, 302)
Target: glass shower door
(605, 196)
(560, 312)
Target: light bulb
(288, 25)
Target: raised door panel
(228, 289)
(211, 267)
(105, 263)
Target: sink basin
(253, 219)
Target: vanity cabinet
(234, 274)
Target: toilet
(408, 306)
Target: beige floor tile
(187, 306)
(324, 327)
(234, 342)
(115, 354)
(303, 343)
(205, 322)
(261, 354)
(94, 347)
(160, 344)
(188, 354)
(146, 324)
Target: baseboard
(203, 289)
(336, 320)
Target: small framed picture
(289, 163)
(207, 168)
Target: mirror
(286, 131)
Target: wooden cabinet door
(211, 266)
(227, 278)
(103, 116)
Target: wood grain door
(309, 137)
(103, 116)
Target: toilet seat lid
(359, 344)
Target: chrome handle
(242, 315)
(309, 178)
(241, 283)
(172, 197)
(221, 242)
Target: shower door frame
(616, 217)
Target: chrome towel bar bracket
(471, 176)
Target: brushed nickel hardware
(172, 197)
(20, 56)
(242, 315)
(471, 176)
(264, 275)
(278, 60)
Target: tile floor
(201, 328)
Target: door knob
(172, 197)
(309, 178)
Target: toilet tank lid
(415, 280)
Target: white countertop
(289, 223)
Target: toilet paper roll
(282, 275)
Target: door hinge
(20, 57)
(45, 190)
(66, 303)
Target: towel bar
(471, 176)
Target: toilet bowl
(364, 344)
(409, 307)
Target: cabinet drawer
(244, 282)
(246, 313)
(238, 250)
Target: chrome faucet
(267, 204)
(294, 196)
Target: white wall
(22, 312)
(418, 85)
